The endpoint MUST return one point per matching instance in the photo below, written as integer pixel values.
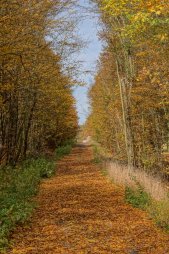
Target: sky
(88, 30)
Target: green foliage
(158, 210)
(62, 151)
(138, 197)
(17, 187)
(97, 156)
(70, 142)
(44, 166)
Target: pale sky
(88, 29)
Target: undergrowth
(97, 157)
(63, 150)
(135, 194)
(18, 186)
(138, 197)
(158, 210)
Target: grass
(158, 210)
(127, 176)
(18, 186)
(142, 190)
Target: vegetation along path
(80, 211)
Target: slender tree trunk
(126, 119)
(25, 147)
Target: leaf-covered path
(80, 211)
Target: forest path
(81, 212)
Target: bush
(70, 142)
(137, 197)
(17, 186)
(42, 165)
(62, 151)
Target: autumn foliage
(130, 95)
(36, 103)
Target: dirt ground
(80, 212)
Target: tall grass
(142, 190)
(128, 176)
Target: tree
(36, 102)
(136, 34)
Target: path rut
(81, 212)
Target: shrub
(70, 142)
(62, 151)
(45, 167)
(137, 197)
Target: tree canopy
(130, 95)
(37, 108)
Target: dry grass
(123, 175)
(142, 190)
(131, 178)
